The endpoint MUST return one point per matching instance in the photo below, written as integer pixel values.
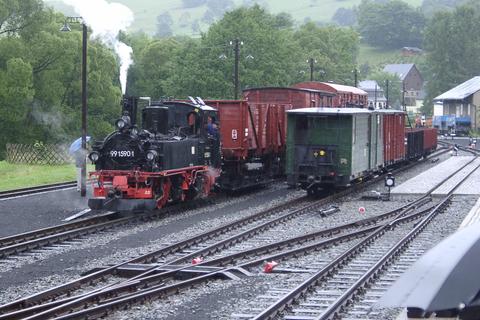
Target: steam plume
(106, 20)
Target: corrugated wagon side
(253, 141)
(297, 97)
(393, 136)
(429, 140)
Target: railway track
(36, 239)
(462, 148)
(155, 275)
(5, 195)
(334, 290)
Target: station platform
(427, 180)
(473, 216)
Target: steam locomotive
(174, 156)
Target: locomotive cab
(168, 159)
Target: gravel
(28, 274)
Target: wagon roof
(332, 87)
(389, 111)
(330, 111)
(181, 102)
(323, 92)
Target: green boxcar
(329, 147)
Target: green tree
(335, 50)
(452, 50)
(391, 25)
(153, 66)
(267, 55)
(430, 7)
(40, 88)
(394, 86)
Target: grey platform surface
(430, 178)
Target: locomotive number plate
(122, 154)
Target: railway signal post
(389, 183)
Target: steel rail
(152, 278)
(346, 297)
(34, 299)
(73, 285)
(93, 305)
(39, 233)
(146, 258)
(38, 189)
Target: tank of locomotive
(172, 136)
(165, 141)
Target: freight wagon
(253, 133)
(331, 148)
(344, 96)
(297, 97)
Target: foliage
(394, 86)
(164, 25)
(335, 50)
(376, 23)
(40, 89)
(430, 7)
(153, 65)
(345, 16)
(267, 55)
(452, 50)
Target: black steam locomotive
(173, 156)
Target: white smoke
(106, 20)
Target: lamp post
(311, 61)
(387, 83)
(66, 28)
(236, 50)
(236, 43)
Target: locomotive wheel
(208, 182)
(163, 199)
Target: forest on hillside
(40, 85)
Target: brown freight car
(345, 96)
(252, 141)
(429, 140)
(297, 97)
(394, 134)
(253, 132)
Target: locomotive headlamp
(389, 180)
(134, 131)
(126, 119)
(151, 155)
(322, 153)
(94, 156)
(120, 124)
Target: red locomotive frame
(134, 184)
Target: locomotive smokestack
(130, 105)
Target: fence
(37, 153)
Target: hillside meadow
(146, 12)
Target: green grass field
(15, 176)
(380, 57)
(147, 11)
